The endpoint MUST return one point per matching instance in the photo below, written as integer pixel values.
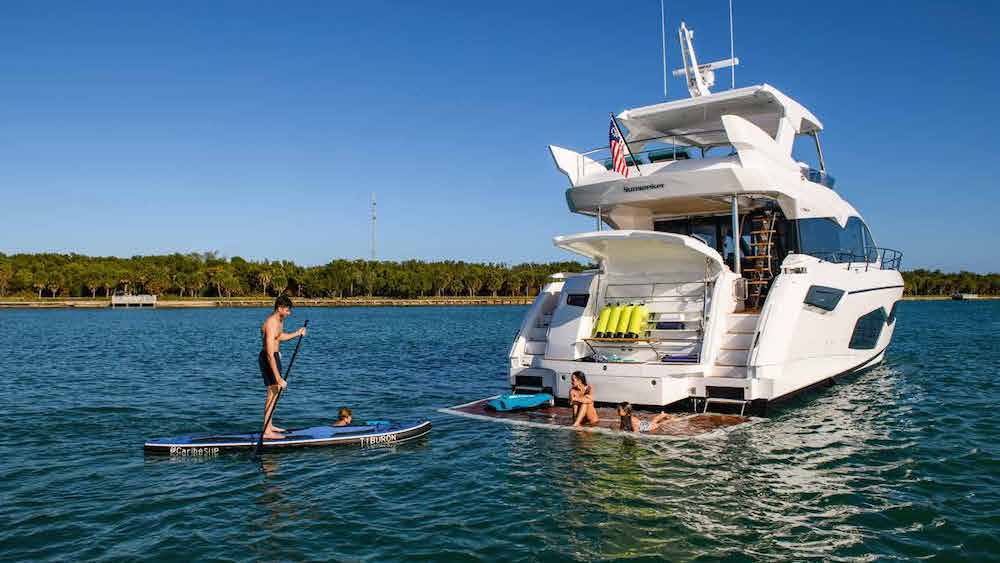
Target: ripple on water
(898, 462)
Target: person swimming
(344, 417)
(632, 423)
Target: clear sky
(259, 129)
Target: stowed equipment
(621, 322)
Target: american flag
(617, 149)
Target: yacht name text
(629, 189)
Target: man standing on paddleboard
(269, 358)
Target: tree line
(936, 282)
(209, 275)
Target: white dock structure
(143, 300)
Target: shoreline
(203, 303)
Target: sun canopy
(698, 121)
(645, 252)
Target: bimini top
(697, 121)
(645, 252)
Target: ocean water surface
(899, 462)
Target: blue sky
(259, 129)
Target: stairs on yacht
(731, 361)
(728, 384)
(536, 340)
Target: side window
(867, 330)
(577, 299)
(676, 226)
(704, 230)
(852, 239)
(825, 239)
(871, 251)
(819, 237)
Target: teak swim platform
(681, 425)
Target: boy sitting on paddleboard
(269, 359)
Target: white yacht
(746, 277)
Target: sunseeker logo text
(629, 189)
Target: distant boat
(964, 296)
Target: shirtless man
(269, 359)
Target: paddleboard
(368, 435)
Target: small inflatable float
(512, 402)
(368, 435)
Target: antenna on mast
(373, 228)
(663, 39)
(700, 78)
(732, 45)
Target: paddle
(288, 372)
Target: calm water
(899, 462)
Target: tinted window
(825, 239)
(892, 314)
(577, 299)
(676, 226)
(825, 298)
(867, 330)
(705, 231)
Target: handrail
(886, 258)
(671, 136)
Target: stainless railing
(886, 258)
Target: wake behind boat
(368, 435)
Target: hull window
(868, 329)
(577, 299)
(825, 298)
(892, 314)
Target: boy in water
(344, 417)
(269, 359)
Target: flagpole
(635, 161)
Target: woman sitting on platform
(632, 423)
(581, 398)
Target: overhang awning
(698, 121)
(632, 252)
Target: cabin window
(867, 330)
(825, 239)
(577, 299)
(675, 226)
(892, 314)
(825, 298)
(706, 230)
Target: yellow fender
(637, 322)
(623, 319)
(616, 312)
(602, 321)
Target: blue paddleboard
(372, 434)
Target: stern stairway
(729, 384)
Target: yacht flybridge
(728, 274)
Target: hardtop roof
(698, 121)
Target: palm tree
(6, 274)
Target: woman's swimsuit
(645, 426)
(265, 367)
